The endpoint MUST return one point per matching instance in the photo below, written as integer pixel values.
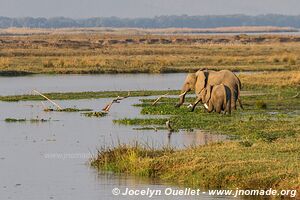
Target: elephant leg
(233, 98)
(210, 107)
(195, 104)
(218, 109)
(228, 108)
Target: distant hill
(183, 21)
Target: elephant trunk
(181, 98)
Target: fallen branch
(115, 100)
(159, 98)
(55, 104)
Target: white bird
(168, 124)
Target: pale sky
(144, 8)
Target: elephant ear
(201, 79)
(208, 93)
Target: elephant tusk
(205, 105)
(183, 94)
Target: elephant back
(225, 77)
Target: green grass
(227, 165)
(266, 117)
(265, 153)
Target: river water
(79, 83)
(50, 160)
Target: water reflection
(197, 137)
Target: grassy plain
(60, 52)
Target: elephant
(203, 77)
(215, 98)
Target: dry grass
(142, 31)
(291, 78)
(56, 52)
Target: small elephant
(215, 98)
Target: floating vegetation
(155, 128)
(39, 120)
(94, 114)
(67, 110)
(14, 120)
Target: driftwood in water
(159, 98)
(115, 100)
(55, 104)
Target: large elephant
(203, 77)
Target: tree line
(182, 21)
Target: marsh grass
(266, 117)
(224, 165)
(263, 155)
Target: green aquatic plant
(14, 120)
(94, 114)
(67, 110)
(253, 123)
